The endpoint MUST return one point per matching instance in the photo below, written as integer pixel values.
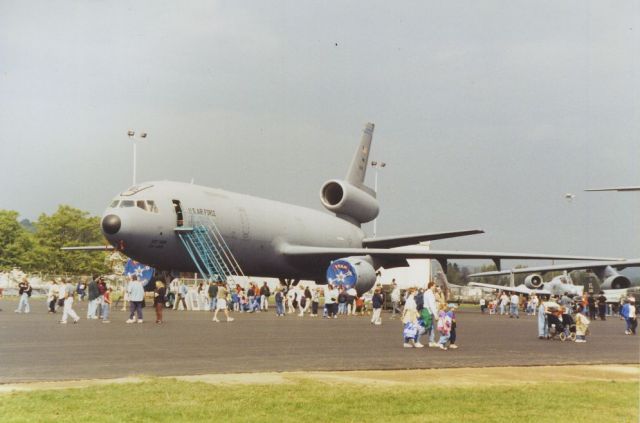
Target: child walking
(454, 324)
(279, 302)
(410, 322)
(444, 327)
(582, 325)
(106, 305)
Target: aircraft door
(178, 208)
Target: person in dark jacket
(159, 298)
(376, 302)
(602, 306)
(212, 292)
(591, 301)
(94, 295)
(265, 293)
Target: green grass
(162, 400)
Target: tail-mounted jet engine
(352, 272)
(345, 199)
(533, 281)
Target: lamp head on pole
(131, 133)
(143, 135)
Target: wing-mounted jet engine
(533, 281)
(616, 282)
(352, 272)
(612, 279)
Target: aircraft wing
(617, 264)
(398, 257)
(402, 240)
(521, 289)
(615, 189)
(89, 248)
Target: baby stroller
(563, 327)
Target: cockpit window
(151, 206)
(146, 205)
(135, 189)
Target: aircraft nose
(111, 224)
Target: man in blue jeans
(212, 293)
(279, 302)
(136, 296)
(515, 302)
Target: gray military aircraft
(275, 239)
(612, 284)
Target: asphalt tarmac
(34, 347)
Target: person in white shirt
(351, 301)
(292, 299)
(136, 296)
(504, 301)
(410, 321)
(534, 304)
(66, 292)
(430, 307)
(515, 302)
(52, 296)
(331, 301)
(395, 299)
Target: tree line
(35, 246)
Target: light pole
(132, 136)
(376, 165)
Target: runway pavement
(35, 347)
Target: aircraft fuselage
(254, 228)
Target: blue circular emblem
(341, 272)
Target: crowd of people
(425, 313)
(565, 316)
(327, 301)
(595, 305)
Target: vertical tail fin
(358, 167)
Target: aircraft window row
(146, 205)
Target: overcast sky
(487, 113)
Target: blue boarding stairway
(210, 252)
